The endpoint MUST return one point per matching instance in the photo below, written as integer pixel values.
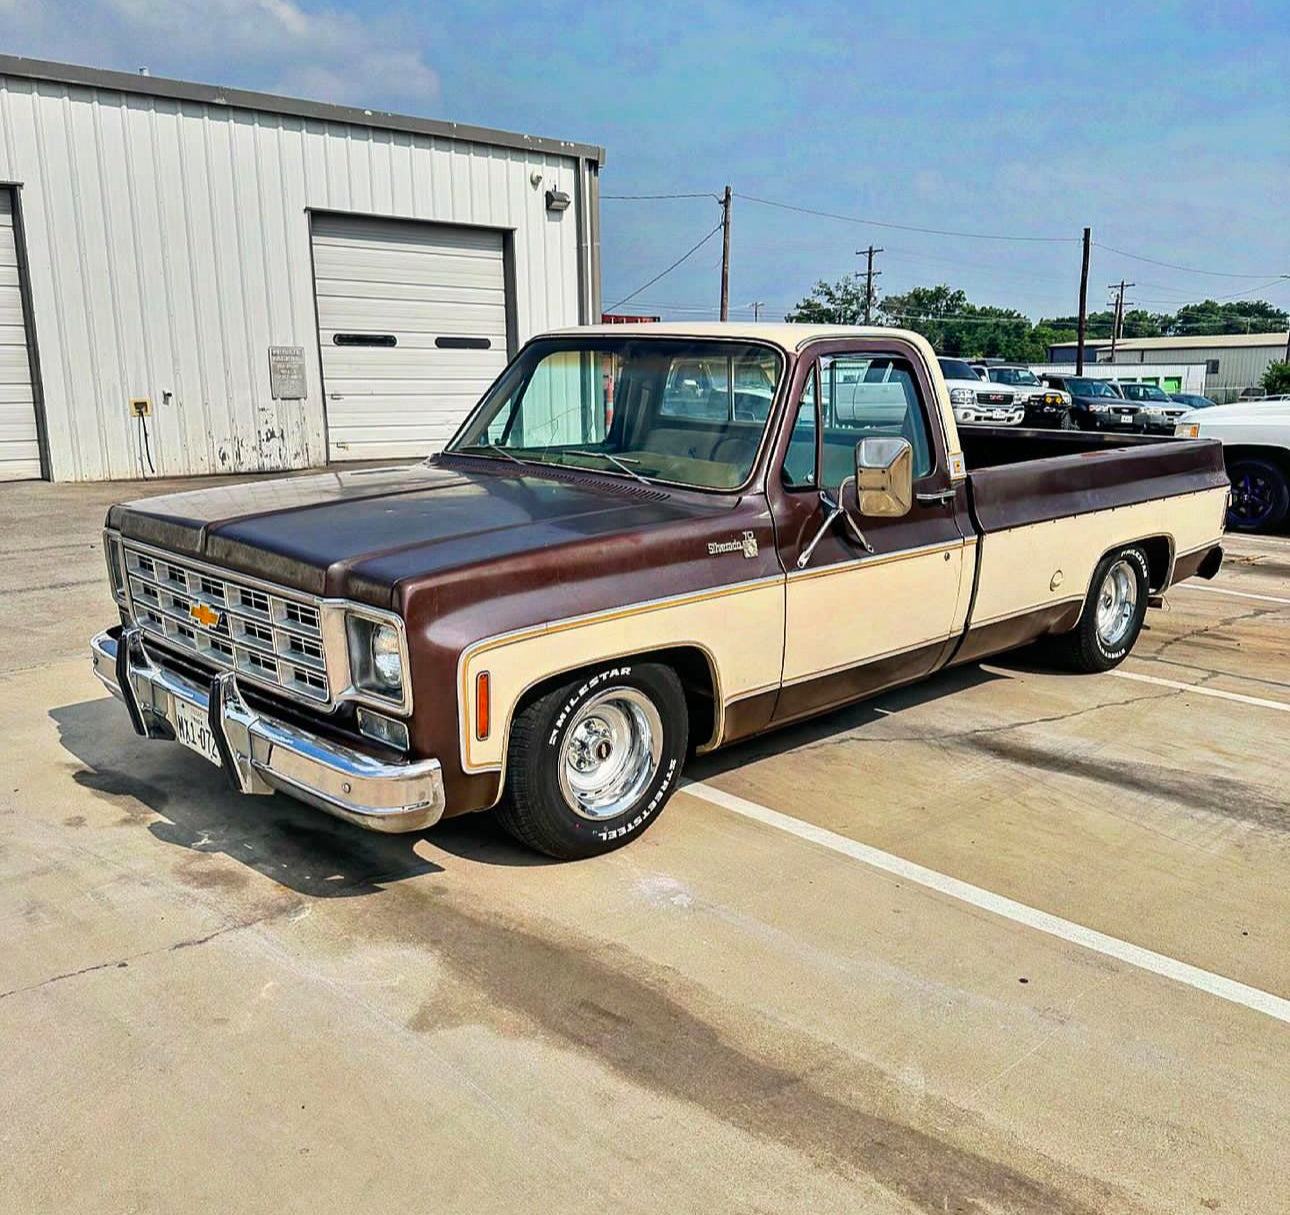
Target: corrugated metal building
(1232, 361)
(269, 283)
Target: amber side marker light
(483, 705)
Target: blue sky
(1166, 126)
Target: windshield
(681, 410)
(1013, 375)
(1091, 388)
(1145, 392)
(957, 369)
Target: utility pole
(757, 306)
(725, 254)
(1117, 325)
(1083, 304)
(869, 274)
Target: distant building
(1232, 361)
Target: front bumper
(261, 754)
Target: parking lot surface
(1009, 940)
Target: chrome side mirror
(884, 476)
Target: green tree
(840, 303)
(1276, 379)
(1235, 316)
(956, 326)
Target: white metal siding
(415, 283)
(19, 447)
(168, 246)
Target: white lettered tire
(1113, 613)
(592, 763)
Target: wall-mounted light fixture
(557, 200)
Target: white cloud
(323, 53)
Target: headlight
(962, 396)
(375, 657)
(1051, 398)
(1188, 430)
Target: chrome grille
(272, 636)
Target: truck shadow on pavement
(182, 801)
(840, 722)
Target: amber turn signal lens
(483, 705)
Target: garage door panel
(376, 233)
(405, 376)
(395, 316)
(485, 293)
(19, 443)
(418, 282)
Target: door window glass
(869, 394)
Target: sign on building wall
(287, 373)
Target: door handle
(941, 496)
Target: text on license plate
(193, 729)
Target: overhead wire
(693, 249)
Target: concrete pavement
(214, 1003)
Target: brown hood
(358, 534)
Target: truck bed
(1019, 477)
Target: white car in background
(978, 402)
(1256, 446)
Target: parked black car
(1160, 412)
(1096, 404)
(1046, 406)
(1194, 399)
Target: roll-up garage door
(19, 445)
(412, 326)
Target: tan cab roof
(790, 337)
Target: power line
(877, 223)
(688, 253)
(1137, 257)
(655, 197)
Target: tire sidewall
(1137, 560)
(599, 835)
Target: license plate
(193, 729)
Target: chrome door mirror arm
(834, 511)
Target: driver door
(858, 621)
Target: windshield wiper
(614, 460)
(501, 451)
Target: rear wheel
(1113, 613)
(593, 762)
(1260, 494)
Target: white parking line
(1222, 590)
(1216, 693)
(997, 904)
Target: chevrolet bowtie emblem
(207, 617)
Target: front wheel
(1260, 495)
(1066, 422)
(1113, 614)
(593, 762)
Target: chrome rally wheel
(1117, 604)
(610, 753)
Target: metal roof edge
(217, 95)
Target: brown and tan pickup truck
(639, 544)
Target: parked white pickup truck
(1256, 449)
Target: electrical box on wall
(140, 407)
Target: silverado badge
(207, 617)
(746, 545)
